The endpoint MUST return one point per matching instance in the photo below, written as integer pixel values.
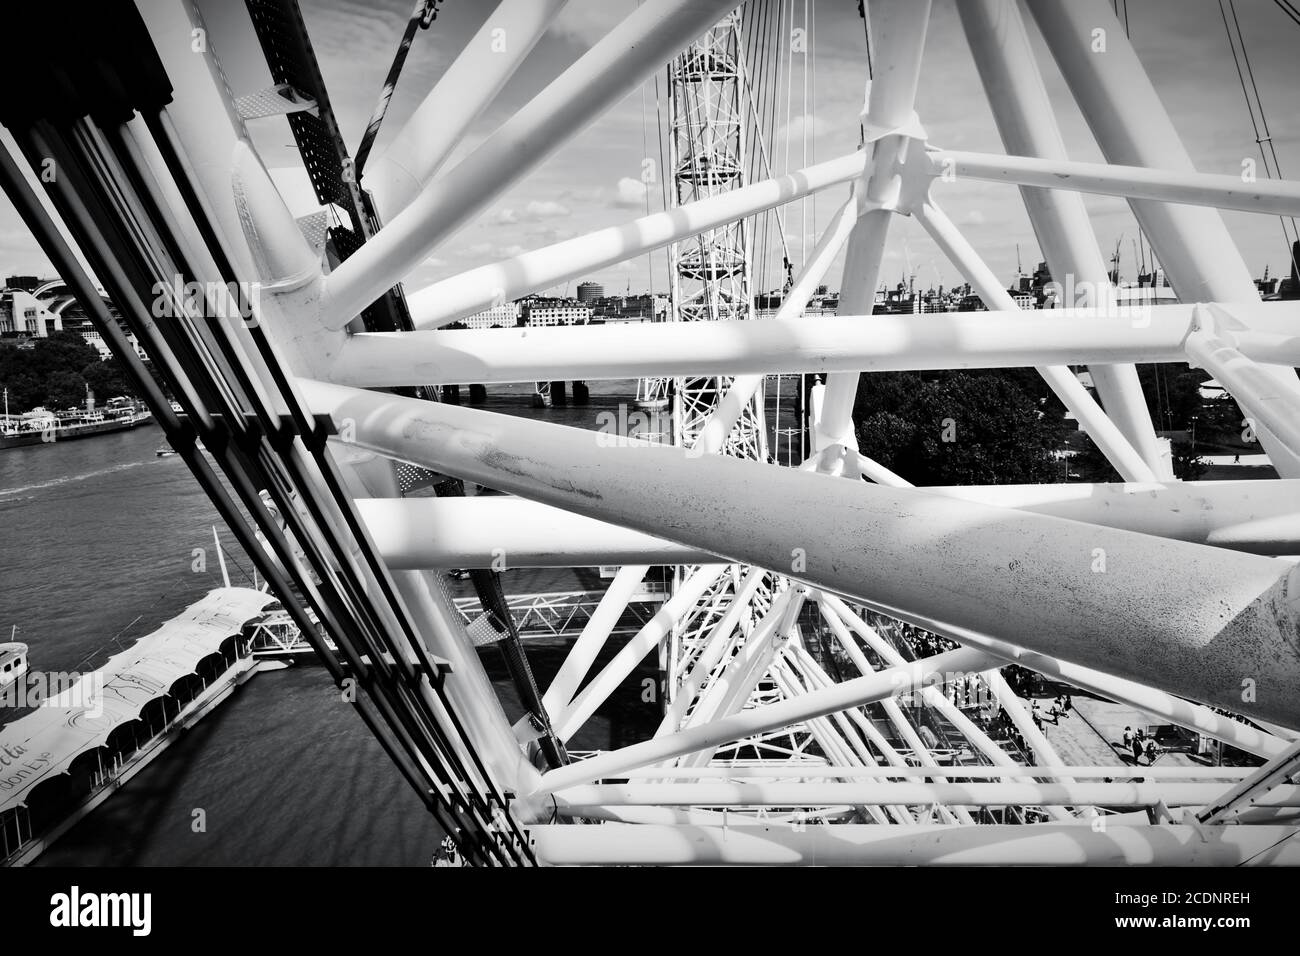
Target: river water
(100, 543)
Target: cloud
(630, 193)
(493, 251)
(585, 194)
(546, 235)
(536, 211)
(545, 209)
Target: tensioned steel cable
(1251, 107)
(422, 17)
(1290, 10)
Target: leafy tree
(1173, 393)
(1090, 464)
(26, 388)
(886, 430)
(107, 380)
(62, 351)
(1188, 465)
(960, 427)
(64, 390)
(1221, 422)
(55, 371)
(48, 373)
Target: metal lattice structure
(809, 723)
(710, 271)
(708, 131)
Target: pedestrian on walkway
(1057, 710)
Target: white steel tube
(1176, 710)
(1196, 620)
(728, 690)
(464, 90)
(258, 234)
(896, 717)
(1027, 123)
(736, 684)
(593, 637)
(1273, 197)
(617, 64)
(418, 533)
(898, 29)
(716, 644)
(930, 845)
(996, 339)
(935, 697)
(862, 690)
(822, 771)
(1272, 403)
(891, 707)
(1043, 750)
(797, 675)
(455, 297)
(838, 740)
(808, 672)
(880, 474)
(1262, 517)
(642, 643)
(1074, 396)
(712, 437)
(1132, 128)
(1001, 794)
(1259, 517)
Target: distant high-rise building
(590, 292)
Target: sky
(593, 180)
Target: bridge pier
(559, 395)
(477, 394)
(451, 394)
(581, 393)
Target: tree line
(1006, 426)
(56, 371)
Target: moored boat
(42, 426)
(13, 662)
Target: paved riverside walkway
(1092, 733)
